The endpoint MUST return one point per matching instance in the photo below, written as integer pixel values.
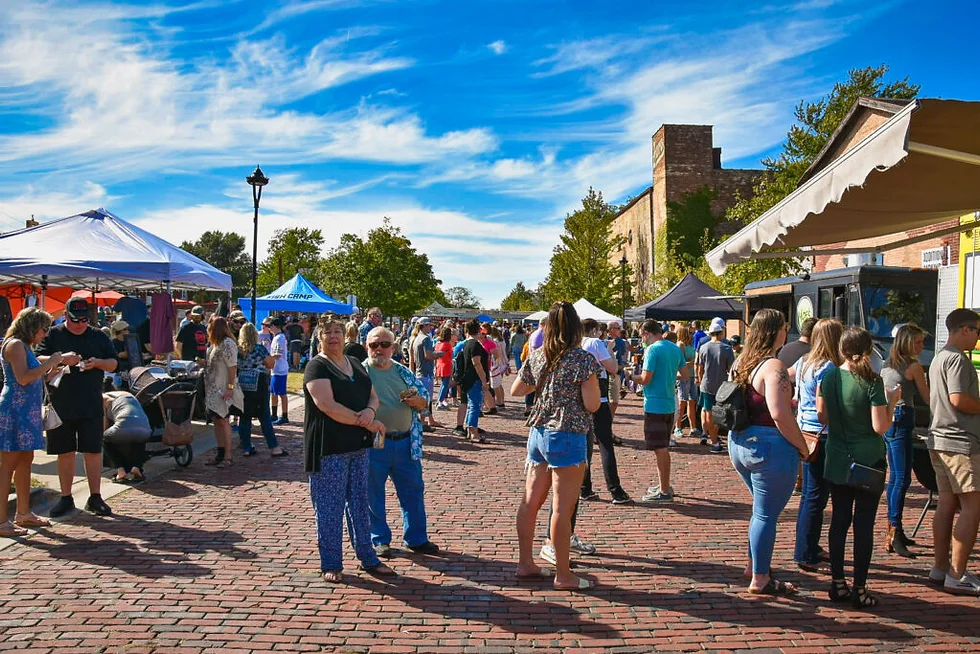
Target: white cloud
(497, 47)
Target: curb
(40, 498)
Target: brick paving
(203, 560)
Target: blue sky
(474, 124)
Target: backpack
(459, 367)
(730, 411)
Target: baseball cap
(119, 326)
(236, 316)
(198, 310)
(717, 325)
(76, 309)
(424, 321)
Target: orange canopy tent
(100, 298)
(55, 298)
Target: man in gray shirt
(954, 448)
(711, 365)
(423, 357)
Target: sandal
(31, 520)
(137, 476)
(334, 576)
(224, 463)
(862, 599)
(819, 567)
(774, 587)
(10, 530)
(582, 584)
(541, 574)
(250, 452)
(280, 454)
(216, 461)
(839, 592)
(380, 570)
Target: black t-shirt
(193, 339)
(474, 348)
(119, 346)
(356, 350)
(294, 332)
(791, 352)
(322, 434)
(79, 396)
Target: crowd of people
(812, 415)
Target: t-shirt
(280, 350)
(323, 435)
(700, 337)
(356, 350)
(559, 404)
(621, 349)
(717, 358)
(363, 331)
(444, 364)
(193, 339)
(423, 367)
(598, 349)
(394, 414)
(951, 430)
(127, 420)
(133, 310)
(79, 395)
(850, 434)
(808, 377)
(473, 348)
(664, 360)
(294, 332)
(791, 352)
(537, 338)
(517, 341)
(162, 317)
(119, 346)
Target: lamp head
(257, 178)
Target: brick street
(204, 560)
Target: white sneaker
(580, 546)
(678, 431)
(548, 553)
(966, 585)
(673, 443)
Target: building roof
(629, 206)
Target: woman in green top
(851, 402)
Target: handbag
(812, 443)
(49, 416)
(859, 476)
(248, 379)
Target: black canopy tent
(688, 299)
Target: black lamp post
(622, 275)
(256, 180)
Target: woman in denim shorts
(564, 378)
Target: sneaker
(428, 547)
(98, 506)
(281, 421)
(966, 585)
(717, 448)
(659, 496)
(704, 440)
(621, 497)
(548, 553)
(64, 506)
(697, 433)
(580, 546)
(617, 440)
(673, 443)
(459, 431)
(937, 576)
(383, 551)
(678, 431)
(588, 495)
(444, 406)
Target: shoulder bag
(49, 417)
(812, 439)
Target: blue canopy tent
(484, 318)
(297, 294)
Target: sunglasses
(380, 345)
(82, 319)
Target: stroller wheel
(183, 455)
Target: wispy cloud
(498, 47)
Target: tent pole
(945, 153)
(44, 291)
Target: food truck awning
(920, 167)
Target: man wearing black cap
(88, 355)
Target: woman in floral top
(254, 363)
(221, 390)
(565, 380)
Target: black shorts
(296, 347)
(78, 435)
(656, 430)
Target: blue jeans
(898, 444)
(474, 403)
(768, 465)
(339, 490)
(255, 406)
(395, 461)
(444, 389)
(813, 501)
(517, 356)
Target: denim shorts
(559, 449)
(686, 390)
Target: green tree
(519, 299)
(461, 297)
(226, 252)
(384, 271)
(290, 250)
(580, 264)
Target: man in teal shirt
(663, 364)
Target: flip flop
(583, 584)
(282, 453)
(774, 587)
(333, 576)
(32, 521)
(541, 574)
(9, 530)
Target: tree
(519, 299)
(461, 297)
(226, 252)
(383, 271)
(290, 250)
(580, 264)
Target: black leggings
(602, 428)
(125, 455)
(857, 506)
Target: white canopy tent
(920, 167)
(586, 309)
(537, 316)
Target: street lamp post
(256, 180)
(622, 276)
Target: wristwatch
(231, 387)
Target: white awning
(919, 168)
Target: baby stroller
(169, 406)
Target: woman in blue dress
(20, 413)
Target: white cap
(717, 325)
(896, 328)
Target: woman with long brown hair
(221, 389)
(806, 373)
(902, 369)
(767, 453)
(564, 378)
(687, 393)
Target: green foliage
(461, 297)
(901, 307)
(689, 222)
(226, 252)
(580, 265)
(290, 250)
(519, 299)
(383, 271)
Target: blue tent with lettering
(297, 294)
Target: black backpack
(459, 367)
(730, 410)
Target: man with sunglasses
(403, 397)
(89, 354)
